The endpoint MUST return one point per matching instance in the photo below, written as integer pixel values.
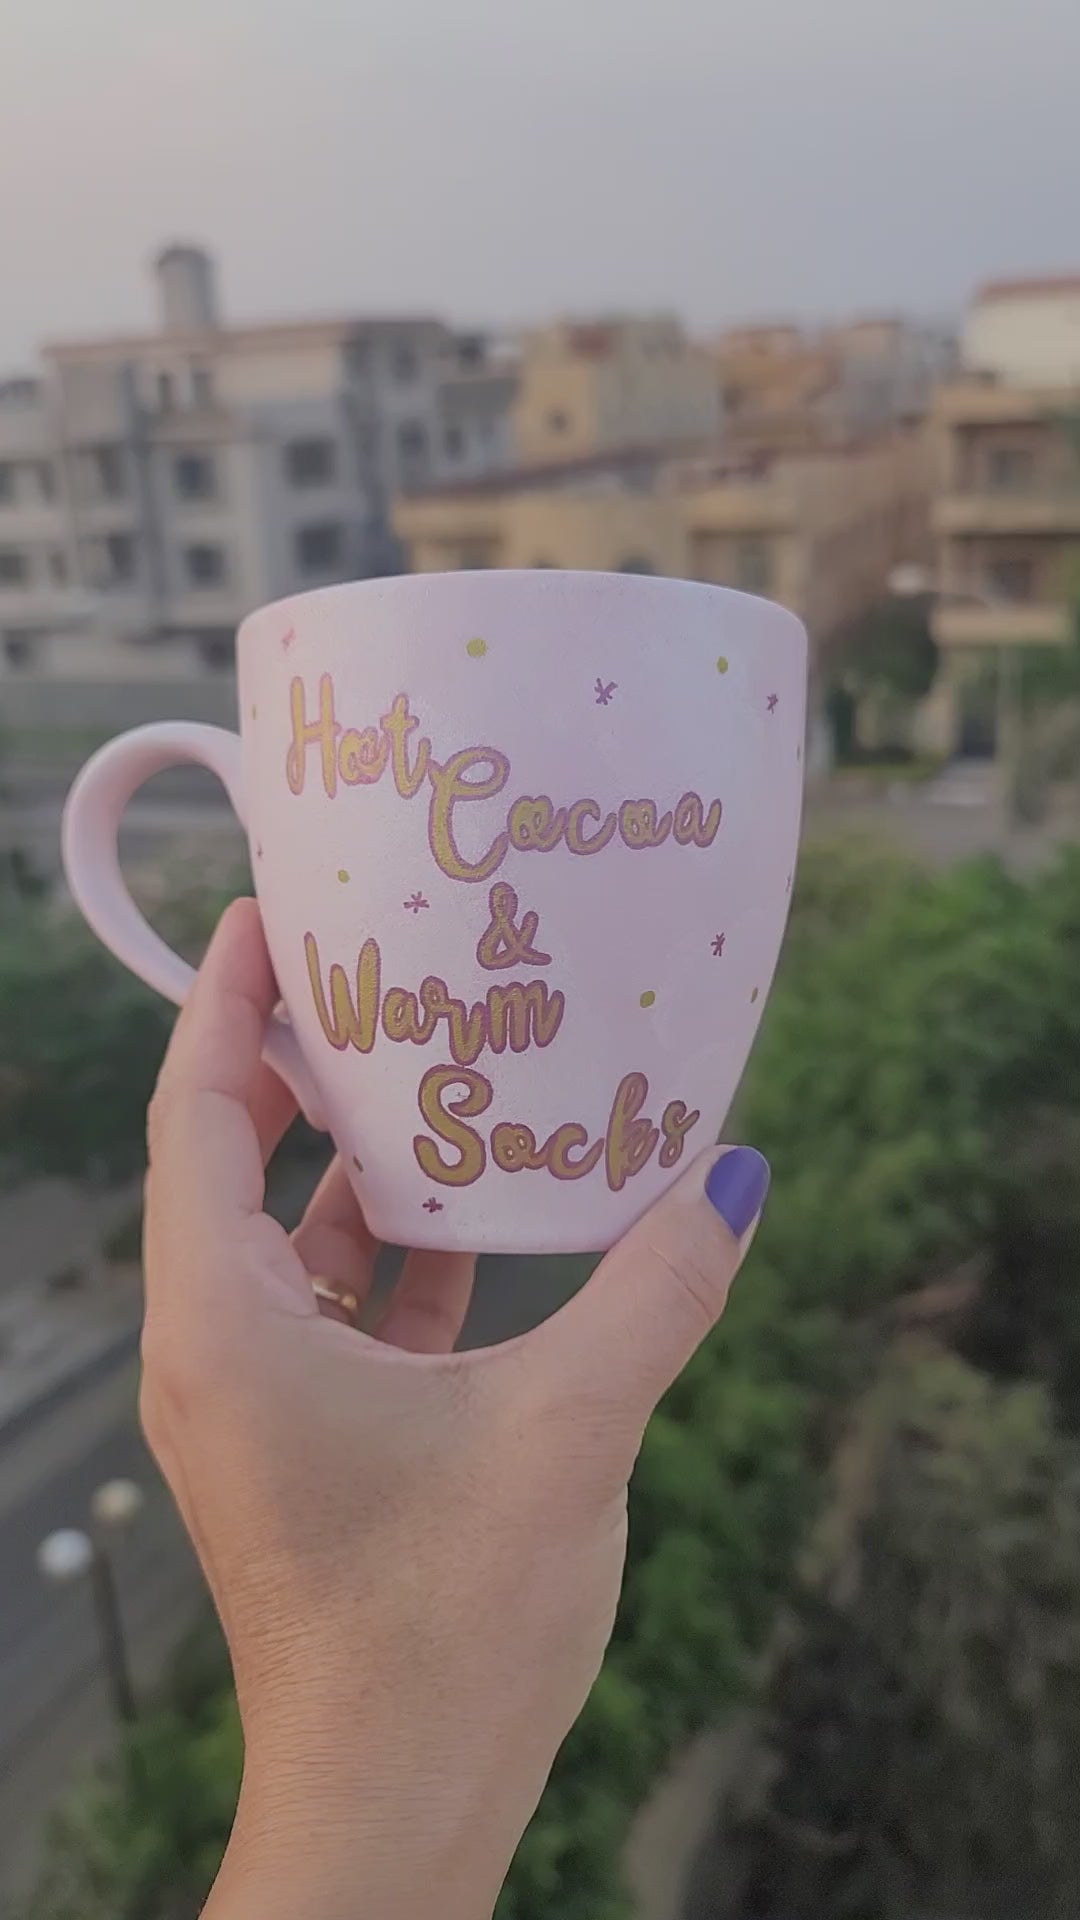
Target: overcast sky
(503, 159)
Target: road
(54, 1713)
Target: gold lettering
(397, 725)
(346, 1022)
(446, 1120)
(307, 733)
(448, 787)
(575, 838)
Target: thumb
(655, 1296)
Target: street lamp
(73, 1553)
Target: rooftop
(231, 339)
(1023, 289)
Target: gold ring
(348, 1302)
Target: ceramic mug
(523, 845)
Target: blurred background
(788, 301)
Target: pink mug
(523, 845)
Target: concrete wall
(1031, 339)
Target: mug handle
(92, 815)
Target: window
(19, 649)
(195, 476)
(14, 567)
(475, 555)
(58, 566)
(107, 468)
(1008, 469)
(405, 363)
(1011, 579)
(205, 565)
(202, 387)
(310, 463)
(453, 443)
(7, 482)
(217, 650)
(46, 479)
(119, 557)
(412, 439)
(753, 566)
(636, 564)
(319, 548)
(166, 393)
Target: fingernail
(737, 1187)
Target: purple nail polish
(737, 1187)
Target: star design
(415, 903)
(433, 1205)
(773, 702)
(718, 944)
(287, 639)
(604, 691)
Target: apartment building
(786, 388)
(590, 387)
(819, 532)
(1007, 507)
(155, 488)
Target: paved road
(54, 1712)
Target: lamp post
(74, 1553)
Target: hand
(416, 1554)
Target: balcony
(1022, 623)
(1038, 507)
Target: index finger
(206, 1163)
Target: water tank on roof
(187, 290)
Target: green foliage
(80, 1039)
(925, 1727)
(144, 1840)
(920, 1020)
(891, 649)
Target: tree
(925, 1723)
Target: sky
(499, 161)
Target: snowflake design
(287, 639)
(773, 702)
(718, 945)
(604, 691)
(415, 903)
(433, 1205)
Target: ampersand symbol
(503, 943)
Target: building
(819, 532)
(155, 488)
(783, 388)
(1007, 504)
(589, 387)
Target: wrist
(323, 1830)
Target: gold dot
(722, 664)
(342, 875)
(648, 998)
(477, 649)
(754, 995)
